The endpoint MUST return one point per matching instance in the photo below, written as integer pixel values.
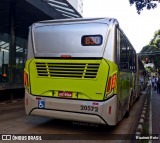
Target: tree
(140, 4)
(157, 34)
(152, 50)
(157, 43)
(156, 40)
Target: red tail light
(114, 78)
(26, 79)
(109, 84)
(65, 56)
(110, 109)
(38, 98)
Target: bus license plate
(64, 94)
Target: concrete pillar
(12, 42)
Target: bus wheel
(131, 100)
(126, 115)
(137, 98)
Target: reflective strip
(110, 109)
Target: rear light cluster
(65, 56)
(26, 82)
(111, 83)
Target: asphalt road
(13, 120)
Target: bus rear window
(76, 40)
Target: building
(18, 15)
(78, 5)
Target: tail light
(109, 110)
(111, 82)
(65, 56)
(26, 83)
(114, 78)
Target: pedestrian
(158, 86)
(153, 81)
(155, 85)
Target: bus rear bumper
(70, 109)
(73, 116)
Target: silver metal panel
(30, 53)
(65, 39)
(111, 47)
(74, 21)
(54, 38)
(59, 106)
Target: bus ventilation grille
(67, 70)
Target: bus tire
(126, 115)
(131, 100)
(137, 98)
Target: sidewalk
(155, 100)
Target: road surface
(13, 120)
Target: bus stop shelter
(16, 17)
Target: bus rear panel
(71, 72)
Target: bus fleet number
(89, 108)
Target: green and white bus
(81, 70)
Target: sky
(138, 28)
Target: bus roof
(76, 20)
(54, 38)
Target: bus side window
(132, 59)
(124, 53)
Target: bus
(142, 75)
(81, 69)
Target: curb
(141, 121)
(150, 117)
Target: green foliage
(152, 51)
(157, 43)
(157, 33)
(140, 4)
(149, 48)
